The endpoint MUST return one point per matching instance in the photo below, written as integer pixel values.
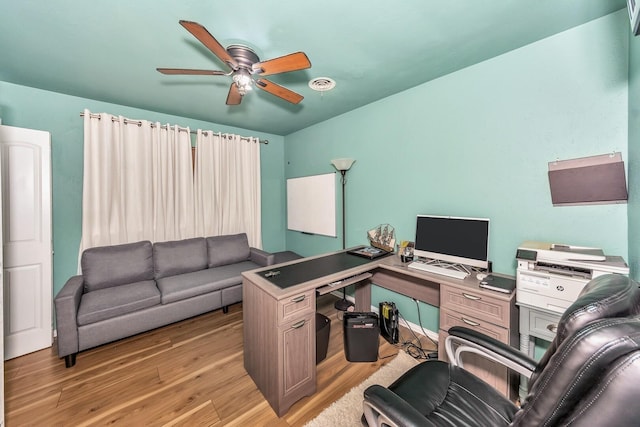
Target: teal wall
(472, 143)
(60, 115)
(633, 210)
(477, 142)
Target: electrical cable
(414, 349)
(386, 357)
(420, 323)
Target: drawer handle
(552, 328)
(471, 297)
(470, 322)
(299, 298)
(300, 324)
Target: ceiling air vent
(322, 84)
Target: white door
(1, 315)
(27, 248)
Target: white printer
(551, 276)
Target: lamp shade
(342, 164)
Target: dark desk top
(314, 272)
(294, 274)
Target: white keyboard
(437, 270)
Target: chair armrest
(67, 302)
(261, 257)
(393, 410)
(461, 340)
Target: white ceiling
(109, 51)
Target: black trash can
(323, 329)
(361, 332)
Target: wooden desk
(279, 324)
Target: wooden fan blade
(234, 97)
(280, 91)
(189, 71)
(292, 62)
(210, 42)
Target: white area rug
(347, 410)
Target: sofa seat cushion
(179, 256)
(189, 285)
(116, 301)
(228, 249)
(107, 266)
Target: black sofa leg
(225, 309)
(70, 360)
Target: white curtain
(227, 186)
(173, 184)
(137, 182)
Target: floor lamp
(342, 166)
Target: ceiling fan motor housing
(244, 56)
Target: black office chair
(589, 376)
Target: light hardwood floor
(190, 373)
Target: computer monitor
(456, 240)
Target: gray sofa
(132, 288)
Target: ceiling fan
(244, 64)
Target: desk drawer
(295, 306)
(480, 304)
(449, 318)
(543, 325)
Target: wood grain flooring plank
(203, 351)
(176, 404)
(202, 415)
(26, 412)
(190, 373)
(259, 415)
(101, 393)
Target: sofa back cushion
(107, 266)
(229, 249)
(179, 256)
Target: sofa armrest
(67, 302)
(261, 257)
(461, 340)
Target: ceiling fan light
(242, 78)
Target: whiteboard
(311, 204)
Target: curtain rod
(138, 122)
